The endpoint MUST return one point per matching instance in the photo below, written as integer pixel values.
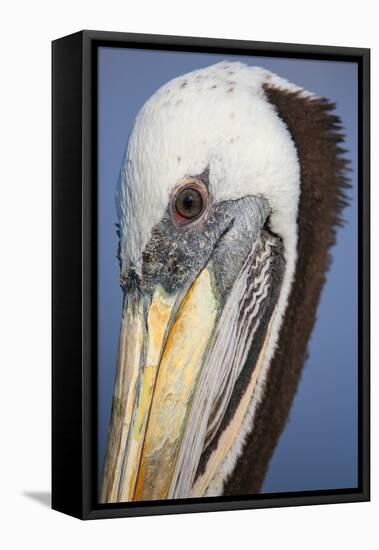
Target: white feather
(182, 130)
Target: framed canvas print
(210, 274)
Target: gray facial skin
(175, 254)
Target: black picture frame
(74, 297)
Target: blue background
(318, 448)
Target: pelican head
(227, 198)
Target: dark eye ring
(190, 201)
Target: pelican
(229, 196)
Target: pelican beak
(182, 332)
(163, 341)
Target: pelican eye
(190, 201)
